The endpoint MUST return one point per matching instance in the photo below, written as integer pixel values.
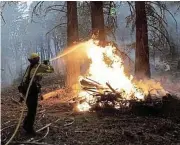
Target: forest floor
(62, 126)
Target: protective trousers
(32, 101)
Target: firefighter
(32, 98)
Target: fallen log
(86, 82)
(52, 94)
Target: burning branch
(86, 82)
(113, 90)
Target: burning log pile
(106, 97)
(103, 96)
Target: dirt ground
(63, 126)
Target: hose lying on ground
(27, 92)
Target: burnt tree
(72, 64)
(97, 19)
(142, 67)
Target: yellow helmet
(33, 55)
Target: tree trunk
(48, 47)
(72, 65)
(72, 22)
(142, 67)
(178, 67)
(42, 53)
(97, 19)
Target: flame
(83, 106)
(107, 67)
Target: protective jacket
(42, 70)
(35, 87)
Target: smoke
(20, 37)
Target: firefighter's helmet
(34, 56)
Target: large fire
(107, 68)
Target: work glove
(46, 62)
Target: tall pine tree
(142, 67)
(72, 64)
(72, 22)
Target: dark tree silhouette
(97, 18)
(142, 67)
(72, 22)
